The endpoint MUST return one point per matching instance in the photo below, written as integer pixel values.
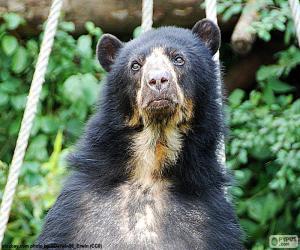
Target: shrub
(264, 152)
(70, 90)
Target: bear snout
(159, 80)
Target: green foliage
(270, 77)
(272, 15)
(37, 190)
(264, 152)
(264, 149)
(12, 21)
(137, 31)
(70, 90)
(229, 8)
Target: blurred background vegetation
(263, 110)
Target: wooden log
(242, 38)
(114, 16)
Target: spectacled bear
(145, 173)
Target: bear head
(158, 77)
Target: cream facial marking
(159, 67)
(158, 61)
(157, 146)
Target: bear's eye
(178, 60)
(135, 66)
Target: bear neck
(154, 148)
(113, 154)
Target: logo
(283, 241)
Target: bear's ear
(209, 33)
(107, 49)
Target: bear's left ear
(209, 33)
(107, 49)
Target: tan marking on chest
(142, 224)
(153, 149)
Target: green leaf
(280, 87)
(260, 153)
(19, 60)
(90, 88)
(93, 30)
(236, 97)
(82, 88)
(67, 26)
(236, 191)
(49, 124)
(29, 167)
(264, 208)
(14, 126)
(54, 158)
(258, 246)
(233, 10)
(267, 72)
(19, 101)
(72, 88)
(90, 26)
(278, 184)
(38, 144)
(243, 156)
(296, 107)
(58, 143)
(255, 96)
(13, 20)
(264, 35)
(3, 99)
(280, 25)
(9, 44)
(250, 227)
(137, 31)
(268, 95)
(298, 221)
(74, 126)
(84, 46)
(11, 86)
(32, 48)
(243, 176)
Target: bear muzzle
(164, 99)
(159, 90)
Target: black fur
(197, 215)
(209, 33)
(107, 49)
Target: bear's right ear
(107, 49)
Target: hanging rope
(295, 7)
(211, 13)
(147, 15)
(29, 114)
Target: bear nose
(159, 80)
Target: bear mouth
(161, 104)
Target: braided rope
(147, 15)
(29, 114)
(295, 7)
(211, 13)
